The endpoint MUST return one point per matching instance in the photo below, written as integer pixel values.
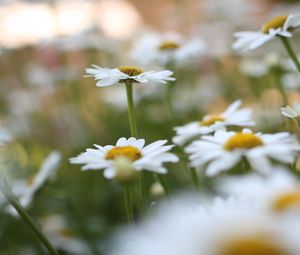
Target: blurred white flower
(232, 116)
(225, 149)
(107, 77)
(25, 190)
(254, 68)
(278, 26)
(291, 112)
(291, 81)
(278, 192)
(150, 157)
(62, 238)
(192, 228)
(166, 49)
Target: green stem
(290, 51)
(195, 178)
(26, 217)
(131, 112)
(128, 205)
(169, 103)
(142, 186)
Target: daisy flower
(278, 26)
(179, 229)
(123, 74)
(225, 149)
(25, 190)
(232, 116)
(278, 192)
(166, 49)
(127, 154)
(292, 112)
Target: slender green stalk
(26, 217)
(142, 185)
(169, 102)
(290, 51)
(128, 205)
(131, 112)
(195, 178)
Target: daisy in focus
(292, 112)
(126, 158)
(232, 116)
(224, 150)
(167, 49)
(278, 26)
(106, 77)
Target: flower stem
(195, 178)
(131, 112)
(26, 217)
(128, 205)
(169, 103)
(290, 51)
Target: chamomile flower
(25, 190)
(181, 229)
(232, 116)
(278, 192)
(224, 150)
(122, 74)
(166, 49)
(63, 239)
(292, 112)
(278, 26)
(127, 155)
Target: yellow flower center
(168, 45)
(130, 70)
(274, 23)
(242, 141)
(286, 201)
(252, 246)
(129, 152)
(211, 120)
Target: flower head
(25, 190)
(166, 49)
(225, 149)
(127, 155)
(107, 77)
(278, 26)
(232, 116)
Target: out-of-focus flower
(206, 228)
(62, 238)
(25, 190)
(292, 112)
(150, 157)
(254, 68)
(279, 192)
(157, 190)
(134, 74)
(291, 81)
(167, 49)
(278, 26)
(232, 116)
(225, 149)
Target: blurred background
(46, 104)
